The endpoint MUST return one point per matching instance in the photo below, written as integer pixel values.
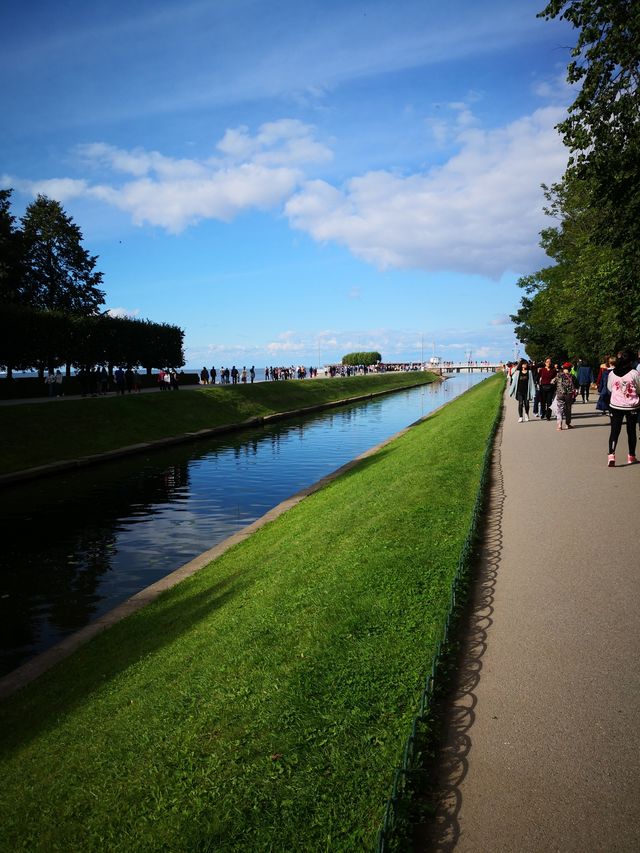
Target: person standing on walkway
(603, 392)
(565, 395)
(535, 370)
(50, 381)
(523, 388)
(623, 384)
(585, 378)
(119, 377)
(546, 376)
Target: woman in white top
(623, 383)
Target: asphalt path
(542, 749)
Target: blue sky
(290, 181)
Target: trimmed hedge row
(35, 339)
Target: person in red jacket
(546, 377)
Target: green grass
(263, 703)
(40, 433)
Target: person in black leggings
(546, 375)
(623, 383)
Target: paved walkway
(543, 749)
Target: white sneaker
(526, 417)
(519, 420)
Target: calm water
(77, 544)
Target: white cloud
(258, 171)
(329, 345)
(139, 162)
(501, 320)
(250, 172)
(555, 89)
(480, 212)
(174, 204)
(284, 142)
(123, 312)
(61, 189)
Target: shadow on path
(457, 708)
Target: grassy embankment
(40, 433)
(263, 703)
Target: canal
(77, 544)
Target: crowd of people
(97, 382)
(228, 376)
(549, 390)
(276, 374)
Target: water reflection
(77, 544)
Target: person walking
(523, 388)
(585, 378)
(623, 384)
(565, 395)
(546, 375)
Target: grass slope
(40, 433)
(263, 703)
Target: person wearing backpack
(623, 383)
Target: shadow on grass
(41, 705)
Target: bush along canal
(78, 544)
(263, 703)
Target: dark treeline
(50, 301)
(586, 303)
(42, 339)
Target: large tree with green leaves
(602, 129)
(59, 273)
(576, 308)
(586, 304)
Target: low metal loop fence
(396, 825)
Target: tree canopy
(361, 358)
(59, 272)
(586, 304)
(11, 251)
(50, 300)
(601, 129)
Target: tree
(59, 273)
(361, 358)
(602, 130)
(586, 305)
(11, 252)
(581, 306)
